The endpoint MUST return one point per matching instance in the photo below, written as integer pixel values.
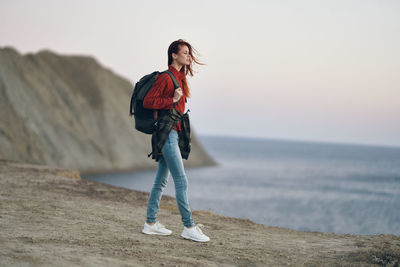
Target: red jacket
(160, 96)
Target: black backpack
(146, 119)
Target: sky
(321, 71)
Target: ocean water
(306, 186)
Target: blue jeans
(170, 161)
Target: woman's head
(181, 56)
(183, 53)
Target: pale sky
(300, 70)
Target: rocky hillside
(69, 111)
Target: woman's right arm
(155, 98)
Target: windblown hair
(174, 48)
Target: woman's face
(183, 57)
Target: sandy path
(52, 217)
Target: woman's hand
(177, 94)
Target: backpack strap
(176, 85)
(175, 82)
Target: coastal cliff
(54, 217)
(72, 112)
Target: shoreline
(254, 219)
(221, 214)
(52, 215)
(135, 169)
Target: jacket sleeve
(156, 98)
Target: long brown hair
(174, 48)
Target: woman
(163, 96)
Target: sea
(307, 186)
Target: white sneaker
(155, 229)
(195, 233)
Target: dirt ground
(53, 217)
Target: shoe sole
(154, 233)
(190, 238)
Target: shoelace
(198, 227)
(160, 225)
